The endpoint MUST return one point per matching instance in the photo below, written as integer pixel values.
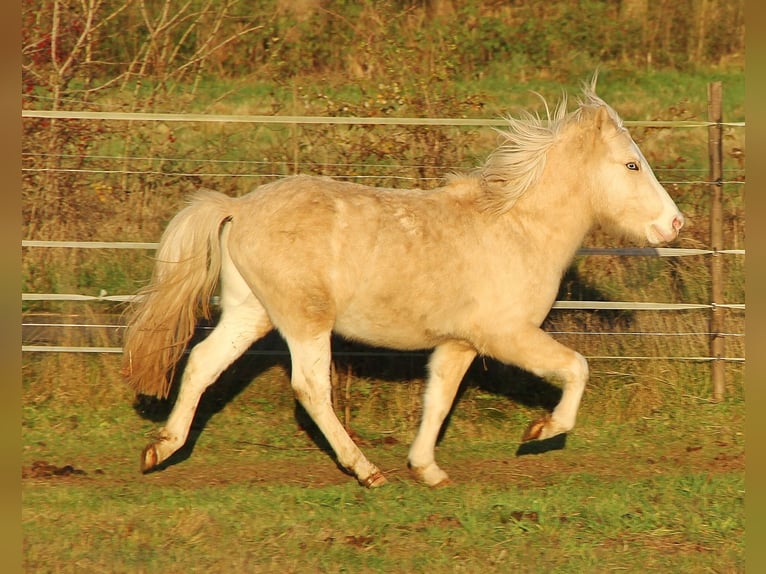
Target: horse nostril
(678, 222)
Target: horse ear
(604, 119)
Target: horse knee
(579, 370)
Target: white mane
(520, 159)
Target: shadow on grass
(558, 442)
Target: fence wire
(105, 297)
(326, 120)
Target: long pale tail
(161, 321)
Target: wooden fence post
(715, 152)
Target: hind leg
(239, 327)
(447, 366)
(311, 384)
(243, 321)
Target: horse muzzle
(659, 233)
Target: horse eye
(631, 165)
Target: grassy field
(652, 478)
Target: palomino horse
(470, 268)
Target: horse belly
(407, 312)
(386, 328)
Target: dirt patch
(43, 469)
(316, 469)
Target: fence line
(384, 352)
(633, 251)
(581, 333)
(256, 352)
(122, 159)
(571, 305)
(177, 174)
(305, 120)
(328, 120)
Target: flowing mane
(590, 101)
(520, 159)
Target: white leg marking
(311, 383)
(235, 332)
(447, 366)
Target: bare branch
(90, 11)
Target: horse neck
(556, 215)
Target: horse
(470, 268)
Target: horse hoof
(434, 477)
(535, 429)
(375, 480)
(149, 458)
(442, 483)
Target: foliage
(106, 43)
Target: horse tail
(162, 318)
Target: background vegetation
(674, 501)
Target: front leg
(537, 352)
(446, 368)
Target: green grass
(637, 94)
(580, 524)
(654, 485)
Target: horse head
(625, 193)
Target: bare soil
(314, 468)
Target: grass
(580, 524)
(651, 479)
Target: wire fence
(35, 162)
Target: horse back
(403, 269)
